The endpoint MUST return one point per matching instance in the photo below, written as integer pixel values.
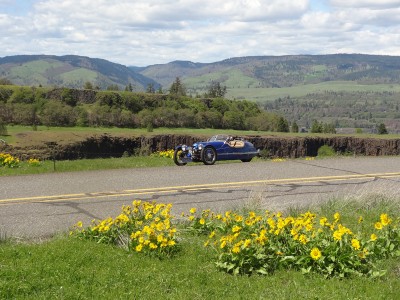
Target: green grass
(270, 94)
(67, 268)
(87, 165)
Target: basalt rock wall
(291, 147)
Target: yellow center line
(195, 187)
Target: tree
(177, 88)
(382, 129)
(3, 128)
(88, 85)
(150, 88)
(295, 127)
(215, 90)
(282, 125)
(316, 127)
(5, 81)
(129, 88)
(113, 87)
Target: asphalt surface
(34, 206)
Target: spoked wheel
(178, 157)
(208, 155)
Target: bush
(326, 151)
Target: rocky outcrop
(289, 147)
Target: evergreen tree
(177, 88)
(382, 129)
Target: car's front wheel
(178, 157)
(208, 155)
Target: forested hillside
(280, 71)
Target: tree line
(35, 106)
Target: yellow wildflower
(385, 220)
(336, 216)
(247, 243)
(238, 218)
(373, 237)
(355, 244)
(236, 249)
(323, 221)
(202, 221)
(303, 239)
(360, 219)
(223, 244)
(193, 210)
(139, 248)
(315, 253)
(378, 225)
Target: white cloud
(158, 31)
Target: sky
(147, 32)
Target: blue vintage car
(218, 147)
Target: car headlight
(200, 146)
(184, 148)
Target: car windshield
(218, 137)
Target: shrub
(144, 227)
(7, 160)
(326, 151)
(263, 243)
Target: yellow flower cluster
(34, 162)
(304, 241)
(279, 159)
(7, 160)
(166, 154)
(146, 224)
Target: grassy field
(269, 94)
(68, 268)
(24, 136)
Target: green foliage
(88, 85)
(216, 90)
(3, 128)
(67, 97)
(5, 81)
(294, 127)
(283, 125)
(264, 242)
(69, 107)
(382, 129)
(326, 151)
(319, 127)
(5, 94)
(55, 113)
(109, 99)
(177, 88)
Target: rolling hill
(270, 77)
(69, 71)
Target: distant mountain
(279, 71)
(69, 71)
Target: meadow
(72, 267)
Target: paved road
(41, 205)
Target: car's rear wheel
(208, 155)
(178, 157)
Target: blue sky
(145, 32)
